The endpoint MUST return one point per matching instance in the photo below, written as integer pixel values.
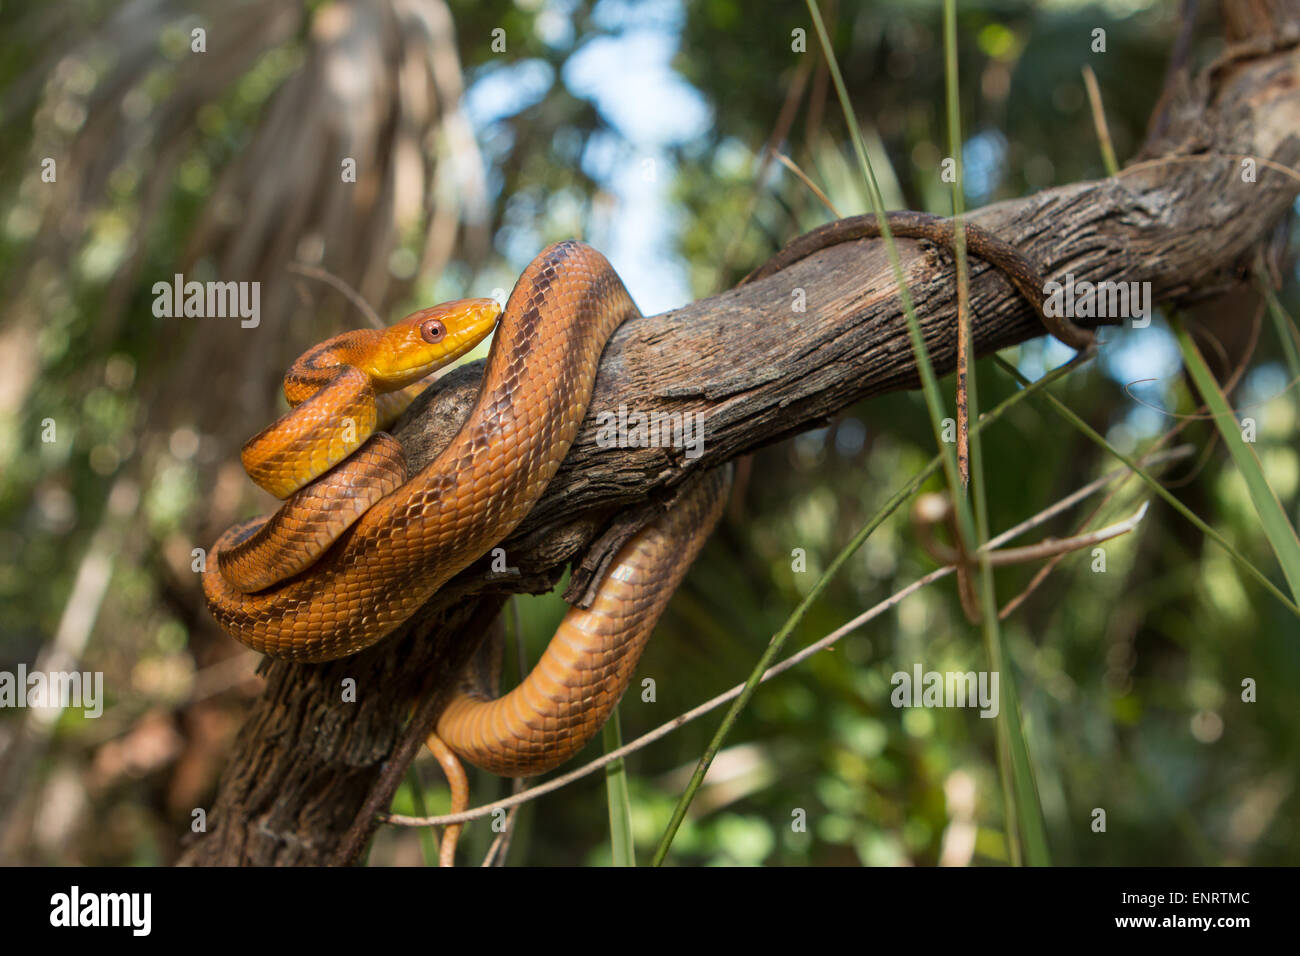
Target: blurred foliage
(1130, 680)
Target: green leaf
(620, 802)
(1281, 535)
(1068, 414)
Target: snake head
(426, 340)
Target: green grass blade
(1272, 517)
(427, 846)
(929, 384)
(620, 801)
(1068, 414)
(778, 640)
(1285, 327)
(1026, 830)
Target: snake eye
(433, 331)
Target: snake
(360, 544)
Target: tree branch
(309, 769)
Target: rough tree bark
(308, 772)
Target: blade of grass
(1068, 414)
(1026, 831)
(427, 847)
(1099, 122)
(1285, 327)
(929, 384)
(778, 640)
(933, 400)
(620, 802)
(1286, 332)
(1272, 517)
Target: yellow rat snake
(359, 545)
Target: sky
(627, 76)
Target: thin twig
(963, 353)
(780, 129)
(1099, 120)
(664, 729)
(351, 294)
(1070, 500)
(793, 660)
(496, 854)
(1201, 157)
(1153, 457)
(791, 165)
(909, 489)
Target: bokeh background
(644, 128)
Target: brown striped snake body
(359, 545)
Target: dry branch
(309, 771)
